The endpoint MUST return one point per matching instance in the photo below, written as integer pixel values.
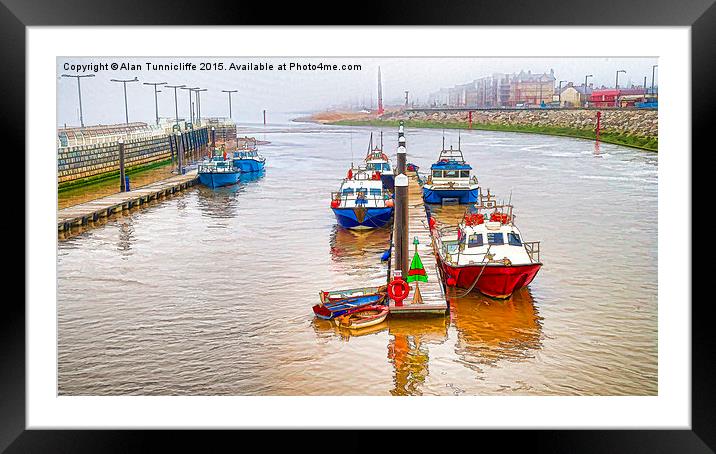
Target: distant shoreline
(612, 136)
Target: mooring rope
(478, 276)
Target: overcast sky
(292, 91)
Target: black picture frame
(700, 15)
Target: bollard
(180, 152)
(401, 223)
(401, 131)
(126, 184)
(122, 182)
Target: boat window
(375, 191)
(475, 240)
(514, 239)
(495, 238)
(451, 174)
(386, 166)
(437, 173)
(348, 191)
(464, 174)
(451, 247)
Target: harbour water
(210, 292)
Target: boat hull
(437, 195)
(381, 312)
(215, 180)
(249, 165)
(334, 309)
(497, 281)
(368, 218)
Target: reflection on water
(491, 330)
(349, 245)
(409, 351)
(209, 292)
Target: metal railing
(380, 200)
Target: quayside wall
(88, 154)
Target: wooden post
(122, 181)
(180, 152)
(402, 159)
(401, 223)
(401, 131)
(213, 142)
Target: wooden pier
(89, 212)
(433, 294)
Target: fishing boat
(377, 161)
(218, 170)
(248, 158)
(450, 179)
(486, 251)
(363, 317)
(362, 202)
(339, 302)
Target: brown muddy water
(210, 291)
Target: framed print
(466, 225)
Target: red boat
(486, 252)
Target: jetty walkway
(89, 212)
(433, 294)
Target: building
(616, 97)
(499, 90)
(575, 96)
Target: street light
(124, 83)
(156, 104)
(79, 93)
(191, 111)
(585, 86)
(616, 84)
(229, 92)
(198, 102)
(176, 107)
(560, 92)
(652, 79)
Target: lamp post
(652, 79)
(124, 83)
(79, 94)
(560, 92)
(156, 103)
(191, 111)
(616, 84)
(585, 87)
(176, 107)
(198, 102)
(229, 92)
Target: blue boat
(218, 171)
(378, 161)
(249, 161)
(362, 202)
(450, 179)
(339, 302)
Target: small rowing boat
(339, 302)
(363, 317)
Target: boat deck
(89, 212)
(434, 301)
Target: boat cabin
(451, 168)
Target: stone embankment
(637, 128)
(636, 122)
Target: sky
(297, 90)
